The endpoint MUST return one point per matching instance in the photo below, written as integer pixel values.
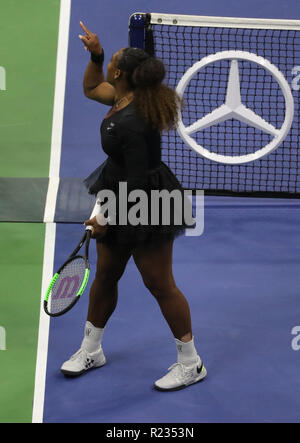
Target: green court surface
(21, 264)
(29, 36)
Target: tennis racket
(69, 282)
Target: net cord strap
(233, 22)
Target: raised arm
(94, 85)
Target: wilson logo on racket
(67, 287)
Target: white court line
(58, 109)
(49, 246)
(42, 351)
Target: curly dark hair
(157, 103)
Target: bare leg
(155, 267)
(111, 264)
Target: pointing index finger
(85, 29)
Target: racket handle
(95, 211)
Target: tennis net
(220, 157)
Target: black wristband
(97, 58)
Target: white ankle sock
(186, 352)
(92, 337)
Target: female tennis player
(142, 107)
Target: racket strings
(67, 285)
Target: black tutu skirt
(108, 176)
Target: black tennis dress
(134, 157)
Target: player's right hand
(98, 230)
(90, 41)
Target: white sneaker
(181, 376)
(82, 361)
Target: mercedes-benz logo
(233, 108)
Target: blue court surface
(241, 278)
